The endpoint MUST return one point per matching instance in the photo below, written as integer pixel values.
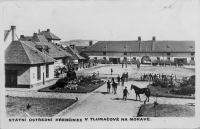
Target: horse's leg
(136, 97)
(139, 96)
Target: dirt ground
(105, 70)
(102, 104)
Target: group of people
(153, 76)
(114, 85)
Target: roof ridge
(26, 52)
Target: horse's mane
(134, 86)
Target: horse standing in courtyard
(139, 91)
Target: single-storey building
(152, 50)
(60, 55)
(26, 66)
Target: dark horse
(139, 91)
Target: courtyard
(102, 104)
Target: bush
(59, 84)
(188, 90)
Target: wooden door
(14, 79)
(8, 78)
(11, 78)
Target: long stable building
(117, 51)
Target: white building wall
(33, 74)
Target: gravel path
(100, 104)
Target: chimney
(72, 46)
(48, 30)
(34, 34)
(154, 38)
(90, 43)
(139, 38)
(38, 31)
(22, 36)
(153, 44)
(13, 28)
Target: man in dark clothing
(125, 93)
(122, 80)
(122, 65)
(118, 80)
(111, 71)
(126, 65)
(108, 86)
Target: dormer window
(105, 46)
(104, 53)
(192, 53)
(125, 53)
(168, 46)
(191, 46)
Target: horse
(139, 91)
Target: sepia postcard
(100, 64)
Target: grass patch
(40, 107)
(166, 110)
(164, 92)
(82, 88)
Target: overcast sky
(105, 20)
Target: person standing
(108, 86)
(111, 71)
(113, 88)
(125, 93)
(122, 80)
(126, 76)
(118, 80)
(122, 65)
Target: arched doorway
(146, 60)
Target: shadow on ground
(127, 99)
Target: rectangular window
(104, 58)
(38, 72)
(134, 58)
(104, 53)
(168, 53)
(168, 58)
(47, 71)
(192, 58)
(158, 58)
(125, 53)
(192, 53)
(125, 58)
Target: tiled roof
(26, 38)
(39, 38)
(76, 57)
(71, 50)
(49, 35)
(54, 50)
(80, 48)
(21, 53)
(114, 46)
(142, 46)
(174, 46)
